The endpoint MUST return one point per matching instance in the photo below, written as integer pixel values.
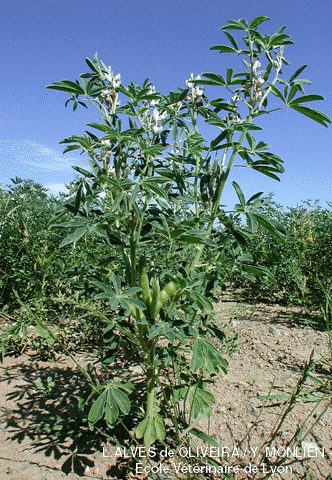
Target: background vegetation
(33, 266)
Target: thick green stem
(151, 393)
(215, 208)
(150, 398)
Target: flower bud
(256, 65)
(155, 115)
(199, 91)
(157, 129)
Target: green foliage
(161, 213)
(28, 250)
(149, 241)
(302, 263)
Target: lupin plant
(160, 213)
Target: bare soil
(274, 345)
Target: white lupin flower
(109, 77)
(199, 91)
(155, 116)
(189, 83)
(157, 129)
(151, 92)
(256, 66)
(115, 81)
(196, 91)
(261, 80)
(105, 142)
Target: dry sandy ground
(273, 348)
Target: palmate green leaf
(154, 189)
(232, 40)
(260, 271)
(301, 81)
(97, 410)
(258, 20)
(141, 427)
(73, 237)
(229, 75)
(72, 87)
(297, 73)
(152, 429)
(102, 286)
(71, 147)
(121, 400)
(154, 180)
(84, 172)
(306, 98)
(282, 39)
(103, 296)
(110, 402)
(134, 301)
(160, 427)
(234, 25)
(214, 77)
(200, 401)
(116, 280)
(252, 222)
(248, 126)
(255, 197)
(269, 226)
(223, 49)
(239, 194)
(206, 355)
(160, 229)
(197, 356)
(219, 138)
(111, 408)
(315, 115)
(267, 171)
(165, 172)
(195, 239)
(202, 302)
(61, 88)
(278, 226)
(277, 92)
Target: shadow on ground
(42, 405)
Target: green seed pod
(155, 298)
(144, 282)
(167, 293)
(128, 269)
(204, 189)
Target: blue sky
(44, 42)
